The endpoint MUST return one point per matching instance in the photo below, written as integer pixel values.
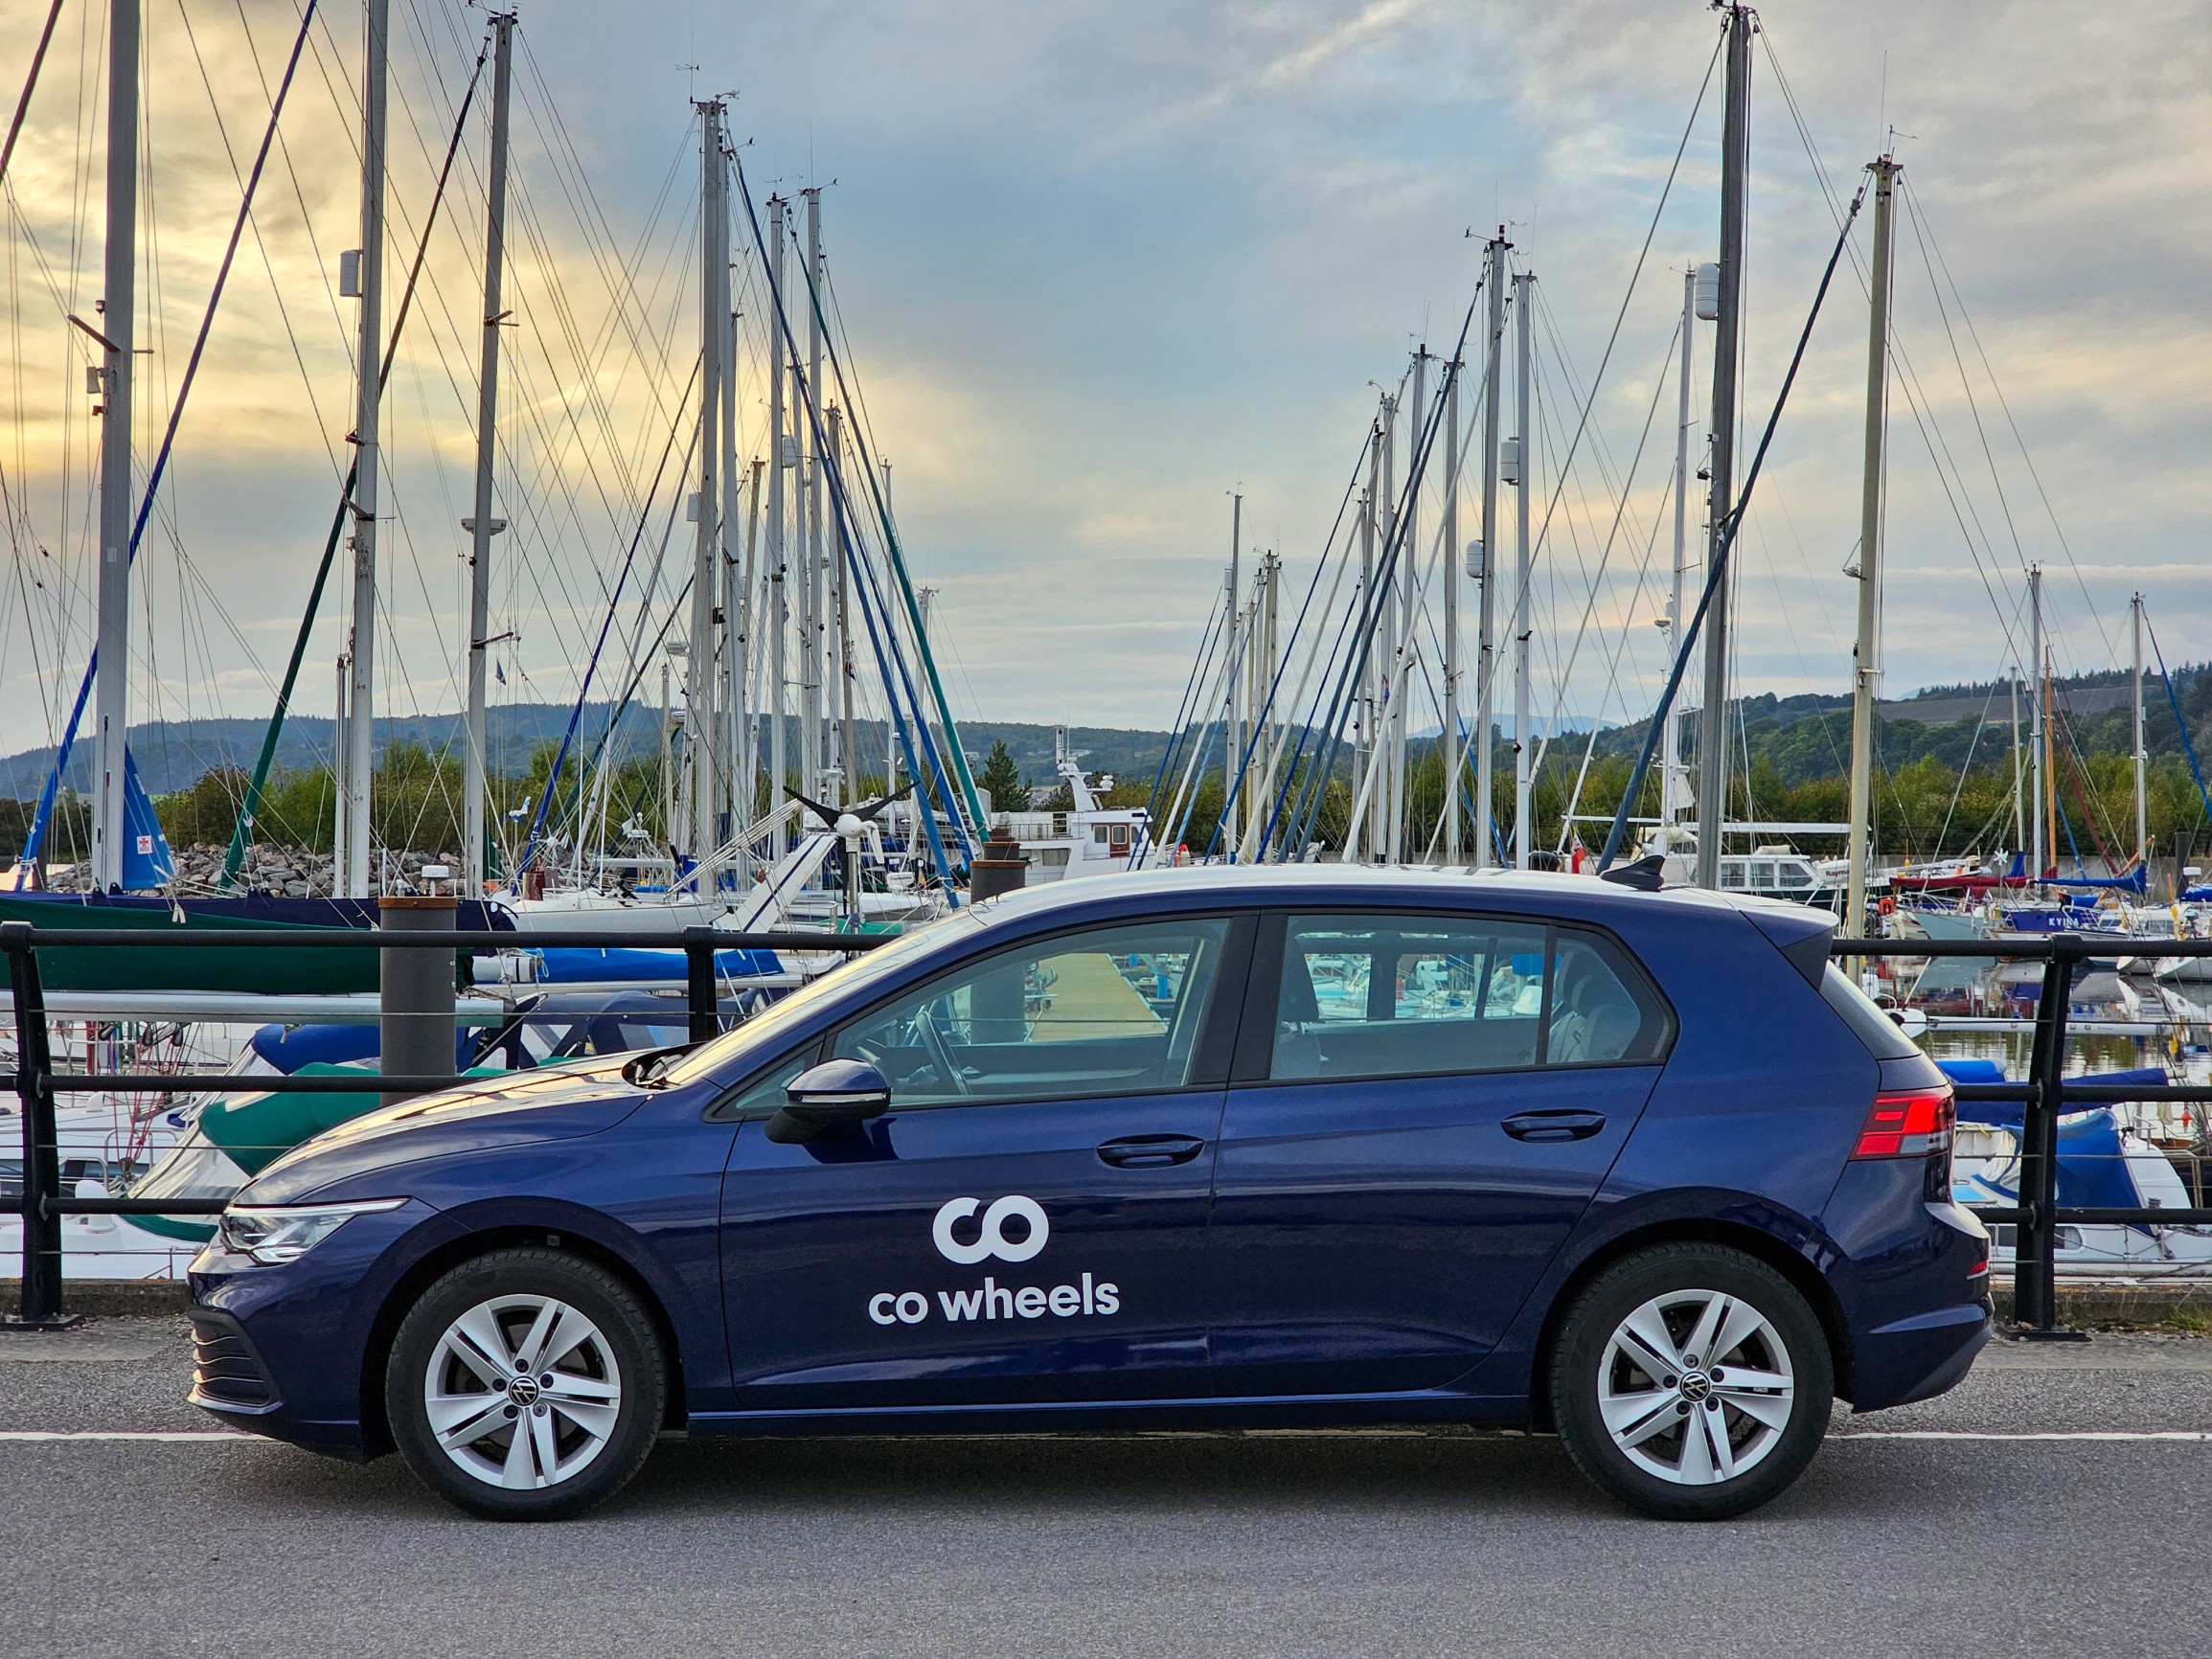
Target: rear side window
(1378, 997)
(1871, 1027)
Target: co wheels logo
(966, 1240)
(990, 1239)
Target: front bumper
(282, 1349)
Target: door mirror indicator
(828, 1096)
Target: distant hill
(1804, 736)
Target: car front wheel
(1692, 1381)
(526, 1385)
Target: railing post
(415, 989)
(2035, 1238)
(41, 1304)
(699, 982)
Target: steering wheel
(940, 1052)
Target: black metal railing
(37, 1084)
(2038, 1217)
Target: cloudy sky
(1102, 264)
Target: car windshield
(760, 1033)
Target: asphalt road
(1915, 1532)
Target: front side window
(1382, 996)
(1108, 1010)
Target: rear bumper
(1920, 1357)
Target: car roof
(1243, 885)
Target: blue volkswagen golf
(1196, 1149)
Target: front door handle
(1151, 1151)
(1553, 1126)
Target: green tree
(1001, 780)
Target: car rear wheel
(1692, 1381)
(526, 1385)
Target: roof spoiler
(1800, 933)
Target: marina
(1419, 728)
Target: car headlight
(281, 1233)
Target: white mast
(1363, 744)
(841, 640)
(1450, 577)
(1408, 591)
(700, 675)
(1524, 483)
(111, 728)
(1230, 737)
(1713, 716)
(2142, 754)
(476, 760)
(1386, 752)
(1673, 787)
(745, 776)
(2036, 715)
(779, 457)
(1865, 673)
(1487, 611)
(352, 864)
(810, 506)
(2020, 805)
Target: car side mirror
(828, 1096)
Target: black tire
(1667, 1474)
(593, 1451)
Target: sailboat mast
(352, 864)
(2142, 755)
(1486, 609)
(1865, 673)
(700, 675)
(733, 745)
(811, 683)
(111, 730)
(1524, 483)
(1363, 746)
(848, 754)
(1450, 577)
(475, 759)
(1409, 592)
(2020, 803)
(779, 349)
(1229, 733)
(2036, 718)
(1670, 780)
(1713, 716)
(1389, 755)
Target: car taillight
(1907, 1124)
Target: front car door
(1424, 1107)
(1027, 1223)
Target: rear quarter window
(1873, 1028)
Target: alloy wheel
(522, 1392)
(1695, 1387)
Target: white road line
(2197, 1437)
(95, 1434)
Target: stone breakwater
(284, 872)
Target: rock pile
(285, 871)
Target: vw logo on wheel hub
(1695, 1385)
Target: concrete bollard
(415, 991)
(1000, 869)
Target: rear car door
(1027, 1225)
(1424, 1105)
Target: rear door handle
(1553, 1126)
(1151, 1151)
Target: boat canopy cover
(560, 965)
(2011, 1114)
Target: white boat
(1088, 840)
